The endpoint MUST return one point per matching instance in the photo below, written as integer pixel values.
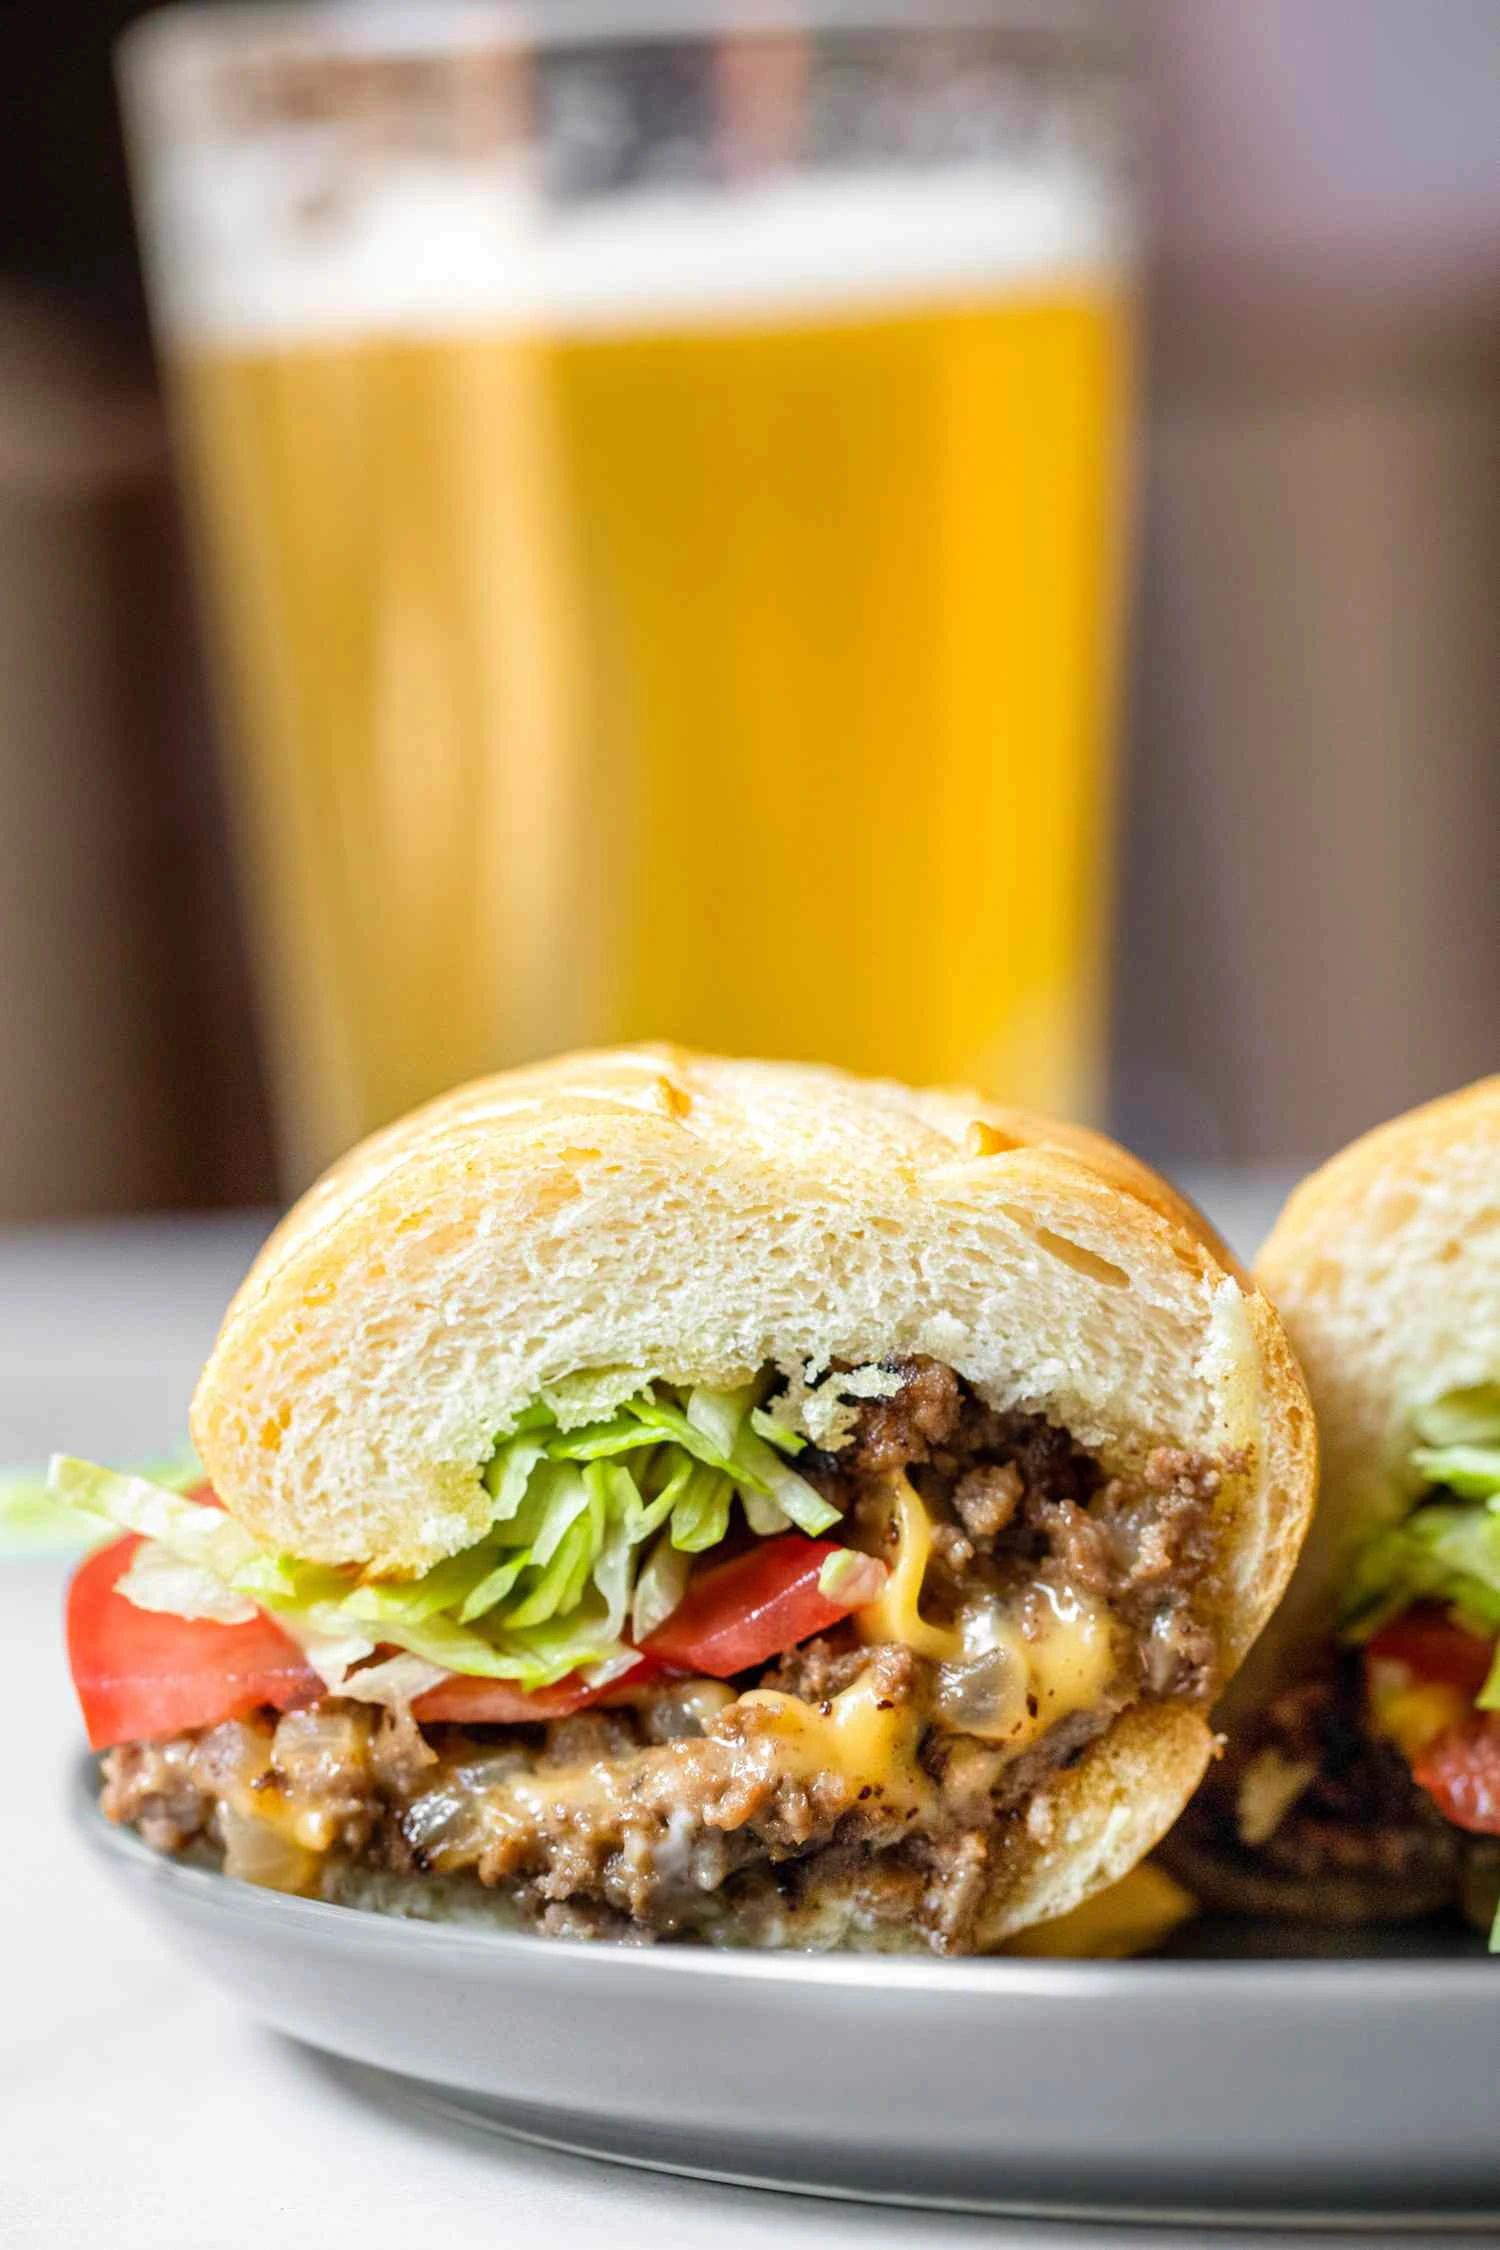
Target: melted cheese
(862, 1740)
(1411, 1713)
(1060, 1660)
(595, 1788)
(1071, 1655)
(897, 1616)
(861, 1737)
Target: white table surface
(138, 2109)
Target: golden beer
(680, 610)
(747, 684)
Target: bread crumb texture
(574, 1229)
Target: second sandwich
(1363, 1778)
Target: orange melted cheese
(1061, 1660)
(897, 1615)
(1410, 1712)
(861, 1737)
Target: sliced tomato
(1426, 1639)
(743, 1612)
(142, 1675)
(471, 1702)
(1460, 1772)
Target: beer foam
(253, 249)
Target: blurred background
(1240, 902)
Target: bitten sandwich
(1363, 1777)
(663, 1497)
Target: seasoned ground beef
(1143, 1547)
(985, 1501)
(1309, 1814)
(694, 1808)
(917, 1420)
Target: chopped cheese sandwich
(659, 1497)
(1363, 1777)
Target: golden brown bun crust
(694, 1219)
(656, 1078)
(1385, 1268)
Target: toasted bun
(1385, 1267)
(1102, 1816)
(683, 1217)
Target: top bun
(1385, 1266)
(674, 1215)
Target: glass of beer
(659, 477)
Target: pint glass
(659, 475)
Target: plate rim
(1442, 1981)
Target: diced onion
(313, 1747)
(258, 1853)
(985, 1695)
(397, 1682)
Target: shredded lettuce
(1448, 1548)
(776, 1433)
(1467, 1417)
(659, 1587)
(720, 1416)
(158, 1580)
(588, 1528)
(849, 1575)
(1440, 1553)
(202, 1536)
(396, 1679)
(1472, 1471)
(759, 1467)
(34, 1522)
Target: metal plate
(1291, 2090)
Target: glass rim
(359, 32)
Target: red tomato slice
(471, 1702)
(1460, 1772)
(1426, 1640)
(743, 1612)
(142, 1675)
